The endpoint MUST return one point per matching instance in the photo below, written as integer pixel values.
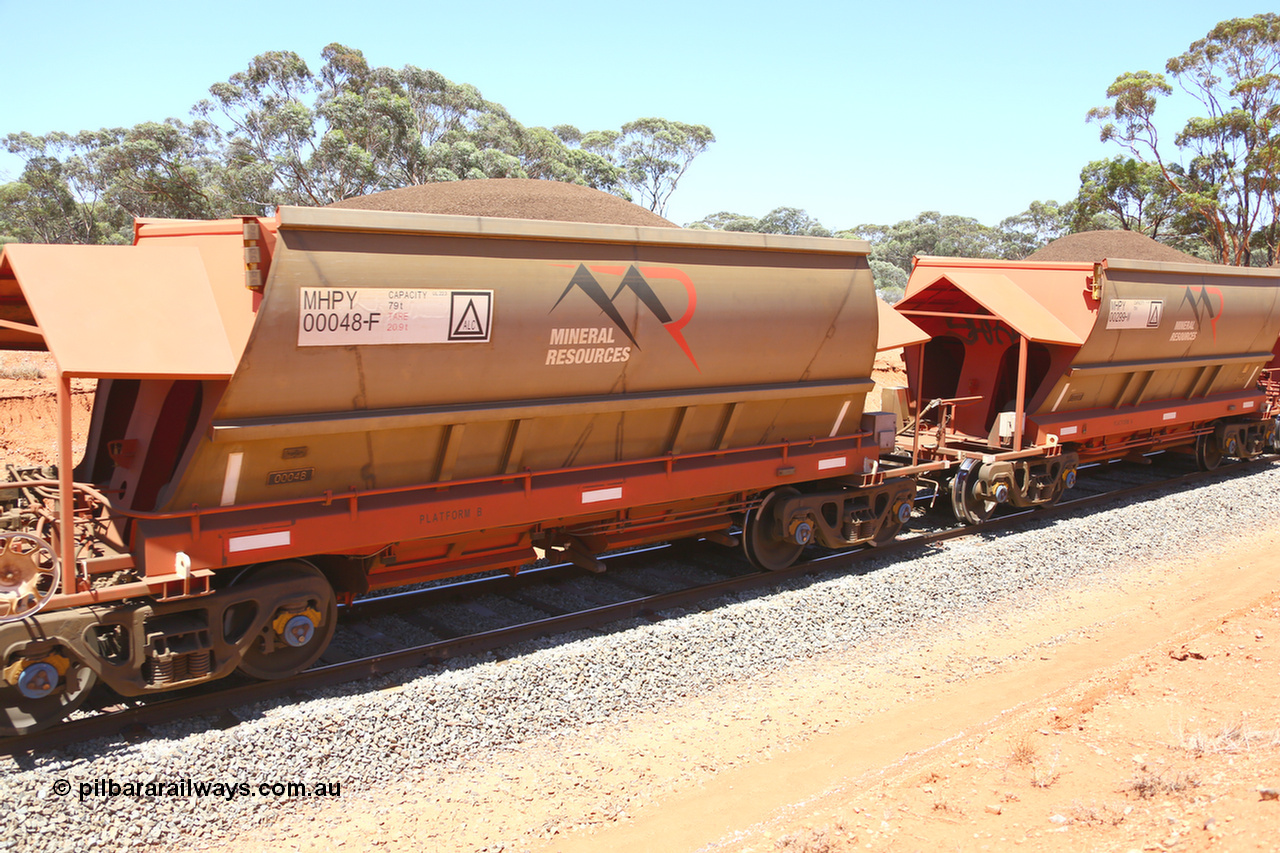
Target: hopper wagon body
(292, 411)
(1033, 368)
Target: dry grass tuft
(941, 805)
(1024, 752)
(826, 840)
(24, 370)
(1044, 775)
(1147, 783)
(1097, 814)
(1230, 739)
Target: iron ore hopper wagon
(1033, 368)
(292, 411)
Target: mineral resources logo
(602, 345)
(1203, 303)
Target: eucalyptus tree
(278, 133)
(780, 220)
(1124, 193)
(88, 187)
(655, 153)
(930, 233)
(39, 206)
(1041, 223)
(294, 137)
(1227, 176)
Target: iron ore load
(290, 412)
(1034, 367)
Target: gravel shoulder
(957, 699)
(1136, 717)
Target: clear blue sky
(856, 112)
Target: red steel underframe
(364, 522)
(1098, 433)
(1149, 423)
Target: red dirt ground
(29, 409)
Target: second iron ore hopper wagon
(1035, 367)
(293, 411)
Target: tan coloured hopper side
(1209, 331)
(741, 339)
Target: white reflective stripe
(258, 540)
(1068, 431)
(839, 418)
(1248, 404)
(834, 462)
(1060, 396)
(597, 495)
(232, 479)
(1168, 416)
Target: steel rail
(156, 711)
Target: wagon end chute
(114, 311)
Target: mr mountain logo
(1201, 303)
(605, 344)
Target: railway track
(511, 610)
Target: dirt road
(1138, 717)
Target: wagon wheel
(969, 507)
(1208, 453)
(1066, 479)
(297, 634)
(893, 524)
(43, 695)
(763, 539)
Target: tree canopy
(1226, 180)
(932, 233)
(278, 133)
(1124, 193)
(929, 233)
(655, 153)
(780, 220)
(88, 187)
